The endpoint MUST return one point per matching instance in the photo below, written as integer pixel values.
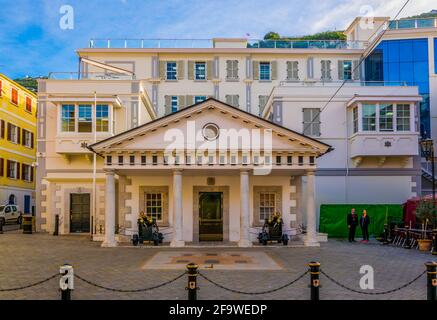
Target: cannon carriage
(148, 230)
(272, 231)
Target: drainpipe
(93, 216)
(346, 194)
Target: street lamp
(427, 148)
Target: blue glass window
(200, 70)
(68, 118)
(174, 103)
(347, 70)
(369, 117)
(264, 70)
(171, 71)
(102, 118)
(198, 99)
(85, 118)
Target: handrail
(415, 23)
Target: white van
(10, 213)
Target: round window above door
(211, 131)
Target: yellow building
(18, 107)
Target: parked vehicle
(10, 213)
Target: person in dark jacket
(352, 223)
(364, 224)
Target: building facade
(18, 115)
(127, 94)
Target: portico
(197, 193)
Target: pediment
(185, 129)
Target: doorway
(211, 216)
(79, 212)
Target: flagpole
(93, 217)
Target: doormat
(229, 260)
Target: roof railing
(89, 76)
(337, 83)
(418, 23)
(209, 43)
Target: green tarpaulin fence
(333, 217)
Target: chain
(30, 285)
(127, 290)
(372, 293)
(253, 293)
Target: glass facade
(435, 55)
(403, 61)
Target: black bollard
(385, 235)
(192, 281)
(434, 246)
(56, 232)
(407, 244)
(315, 280)
(1, 226)
(431, 268)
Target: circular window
(211, 131)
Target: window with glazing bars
(153, 206)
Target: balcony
(89, 76)
(413, 24)
(384, 144)
(209, 43)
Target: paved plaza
(25, 259)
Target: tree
(272, 36)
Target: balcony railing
(413, 23)
(338, 83)
(89, 76)
(209, 43)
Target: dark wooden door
(211, 216)
(80, 212)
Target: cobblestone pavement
(25, 259)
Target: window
(232, 70)
(154, 206)
(198, 99)
(233, 100)
(14, 96)
(300, 160)
(155, 159)
(13, 133)
(85, 118)
(326, 70)
(200, 71)
(278, 160)
(174, 104)
(369, 117)
(403, 117)
(386, 117)
(267, 205)
(312, 162)
(347, 70)
(120, 160)
(2, 167)
(27, 139)
(26, 173)
(264, 70)
(292, 70)
(311, 122)
(262, 102)
(132, 160)
(102, 118)
(109, 160)
(172, 70)
(355, 119)
(143, 160)
(28, 104)
(12, 169)
(68, 118)
(289, 160)
(2, 128)
(435, 57)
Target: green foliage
(426, 210)
(29, 83)
(431, 14)
(272, 36)
(327, 35)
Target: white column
(311, 237)
(110, 211)
(244, 210)
(177, 210)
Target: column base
(177, 243)
(311, 243)
(109, 244)
(243, 243)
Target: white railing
(327, 83)
(419, 23)
(89, 76)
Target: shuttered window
(200, 71)
(311, 122)
(2, 167)
(28, 104)
(14, 96)
(12, 169)
(346, 70)
(264, 71)
(27, 138)
(326, 70)
(26, 172)
(292, 70)
(233, 100)
(13, 133)
(171, 70)
(2, 128)
(232, 70)
(355, 119)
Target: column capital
(109, 171)
(177, 171)
(244, 171)
(310, 172)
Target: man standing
(352, 222)
(364, 223)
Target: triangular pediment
(186, 128)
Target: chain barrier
(129, 290)
(30, 285)
(372, 293)
(253, 293)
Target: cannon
(272, 231)
(147, 231)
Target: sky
(33, 43)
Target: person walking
(364, 224)
(352, 222)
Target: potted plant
(425, 212)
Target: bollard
(407, 244)
(431, 268)
(315, 280)
(66, 283)
(192, 281)
(1, 226)
(56, 232)
(385, 235)
(434, 246)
